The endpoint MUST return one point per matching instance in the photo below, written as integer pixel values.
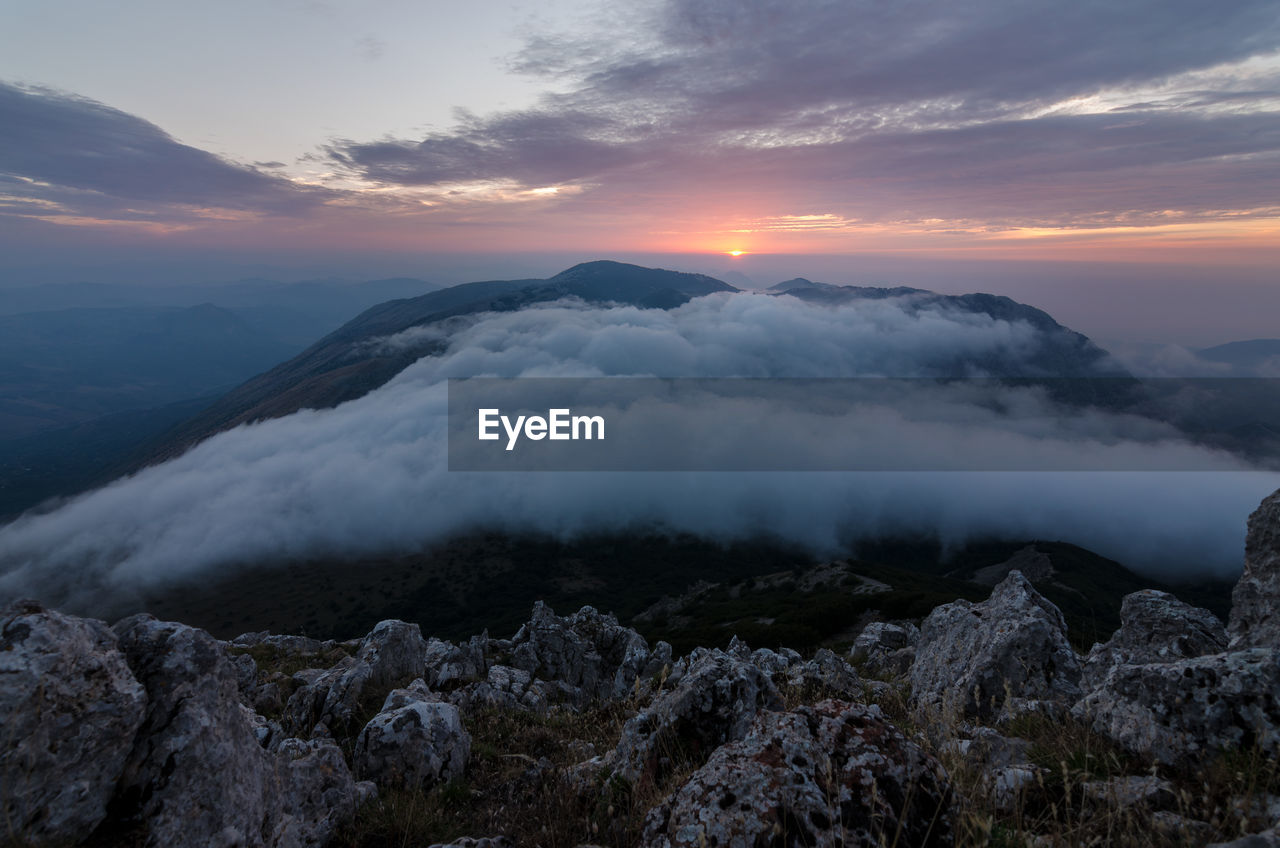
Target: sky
(1065, 151)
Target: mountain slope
(1059, 352)
(65, 367)
(342, 367)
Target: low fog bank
(369, 477)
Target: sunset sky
(1144, 131)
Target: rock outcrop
(414, 741)
(1155, 627)
(886, 648)
(1179, 712)
(69, 709)
(714, 698)
(834, 774)
(586, 650)
(1006, 655)
(197, 774)
(393, 653)
(317, 792)
(1255, 603)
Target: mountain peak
(620, 275)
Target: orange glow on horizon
(735, 252)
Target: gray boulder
(317, 793)
(586, 650)
(197, 775)
(825, 676)
(886, 648)
(393, 653)
(714, 699)
(449, 666)
(833, 774)
(1004, 656)
(1178, 712)
(69, 709)
(506, 688)
(1255, 603)
(412, 742)
(285, 646)
(1131, 791)
(1155, 627)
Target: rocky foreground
(980, 726)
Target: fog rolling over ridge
(369, 476)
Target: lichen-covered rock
(1009, 785)
(715, 698)
(394, 651)
(990, 750)
(197, 775)
(586, 650)
(1255, 602)
(69, 709)
(776, 664)
(317, 793)
(1154, 627)
(1006, 655)
(506, 688)
(886, 648)
(391, 654)
(834, 774)
(1174, 829)
(1177, 712)
(825, 676)
(1131, 791)
(413, 742)
(449, 666)
(285, 645)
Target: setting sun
(735, 252)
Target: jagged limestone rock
(197, 775)
(415, 741)
(449, 666)
(1154, 627)
(392, 653)
(1006, 655)
(69, 709)
(587, 650)
(1179, 712)
(825, 676)
(713, 700)
(317, 792)
(832, 774)
(886, 648)
(1255, 602)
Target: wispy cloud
(812, 124)
(1003, 111)
(68, 159)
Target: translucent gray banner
(864, 424)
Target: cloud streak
(984, 110)
(63, 156)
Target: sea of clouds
(371, 477)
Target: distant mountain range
(1248, 356)
(86, 366)
(342, 366)
(89, 373)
